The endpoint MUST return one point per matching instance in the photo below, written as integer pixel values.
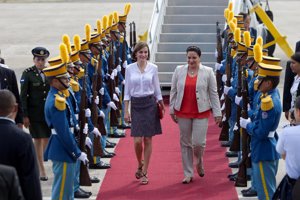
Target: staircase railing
(155, 26)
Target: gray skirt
(145, 121)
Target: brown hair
(138, 47)
(7, 102)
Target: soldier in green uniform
(34, 90)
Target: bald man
(17, 149)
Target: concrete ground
(26, 24)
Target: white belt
(77, 116)
(53, 132)
(271, 134)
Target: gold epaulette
(255, 85)
(94, 62)
(81, 73)
(121, 39)
(74, 84)
(266, 103)
(246, 74)
(65, 92)
(107, 49)
(60, 102)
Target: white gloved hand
(248, 107)
(112, 77)
(101, 91)
(223, 107)
(216, 53)
(117, 90)
(97, 100)
(88, 142)
(102, 114)
(226, 89)
(85, 129)
(83, 158)
(237, 100)
(222, 97)
(119, 68)
(88, 112)
(235, 127)
(112, 105)
(244, 122)
(115, 97)
(224, 78)
(218, 66)
(115, 72)
(125, 64)
(123, 82)
(96, 132)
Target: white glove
(115, 72)
(125, 64)
(224, 118)
(101, 91)
(235, 127)
(237, 100)
(117, 90)
(112, 105)
(123, 82)
(244, 122)
(216, 53)
(226, 89)
(97, 100)
(88, 112)
(218, 66)
(102, 114)
(83, 158)
(224, 78)
(119, 68)
(222, 97)
(112, 77)
(248, 107)
(223, 107)
(96, 132)
(115, 97)
(88, 142)
(85, 129)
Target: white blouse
(294, 89)
(138, 84)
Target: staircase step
(193, 10)
(197, 2)
(193, 19)
(190, 28)
(165, 76)
(188, 37)
(181, 57)
(182, 46)
(170, 66)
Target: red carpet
(165, 170)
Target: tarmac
(26, 24)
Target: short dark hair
(138, 47)
(195, 49)
(7, 102)
(297, 102)
(296, 57)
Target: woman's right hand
(26, 122)
(127, 117)
(174, 118)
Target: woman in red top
(193, 95)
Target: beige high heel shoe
(187, 180)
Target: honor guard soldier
(34, 90)
(262, 128)
(62, 148)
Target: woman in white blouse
(142, 89)
(295, 89)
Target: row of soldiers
(247, 79)
(84, 104)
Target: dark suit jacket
(17, 150)
(9, 184)
(8, 81)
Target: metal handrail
(155, 26)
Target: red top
(189, 107)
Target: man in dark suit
(288, 82)
(9, 184)
(17, 149)
(8, 81)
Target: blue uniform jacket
(62, 145)
(263, 148)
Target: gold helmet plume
(259, 41)
(230, 6)
(116, 17)
(76, 40)
(237, 35)
(127, 8)
(230, 16)
(66, 41)
(104, 22)
(88, 32)
(234, 21)
(232, 26)
(226, 13)
(64, 53)
(110, 20)
(247, 38)
(99, 27)
(257, 50)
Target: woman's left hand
(218, 119)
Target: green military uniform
(34, 90)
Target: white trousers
(192, 142)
